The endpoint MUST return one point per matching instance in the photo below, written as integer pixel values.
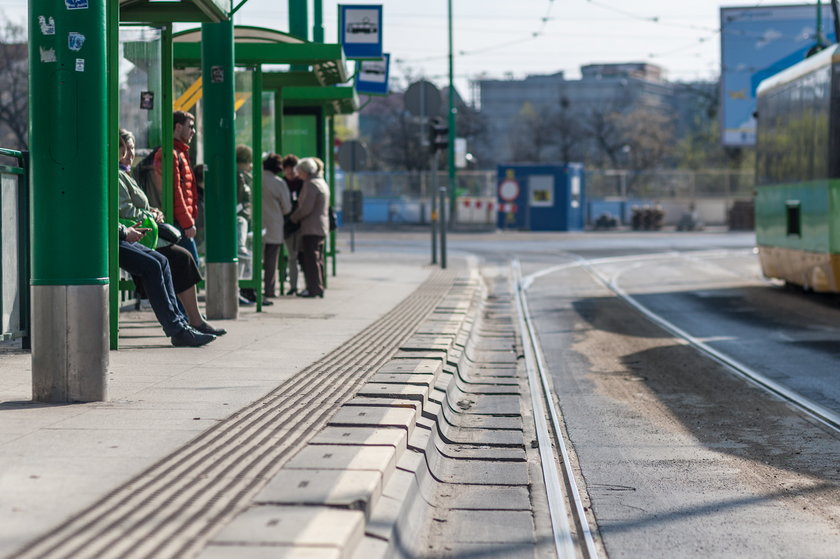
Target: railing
(14, 244)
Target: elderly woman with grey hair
(313, 215)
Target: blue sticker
(47, 25)
(75, 41)
(76, 4)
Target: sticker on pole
(361, 30)
(76, 4)
(75, 41)
(47, 25)
(509, 190)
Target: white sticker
(80, 64)
(75, 41)
(76, 4)
(47, 25)
(47, 55)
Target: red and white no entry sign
(508, 190)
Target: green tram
(797, 204)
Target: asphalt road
(678, 457)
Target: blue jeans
(188, 244)
(153, 269)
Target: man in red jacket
(185, 190)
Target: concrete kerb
(366, 448)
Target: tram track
(821, 414)
(564, 499)
(175, 506)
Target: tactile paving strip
(171, 509)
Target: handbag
(167, 235)
(150, 239)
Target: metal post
(435, 205)
(257, 185)
(69, 142)
(351, 179)
(220, 177)
(450, 159)
(444, 198)
(318, 23)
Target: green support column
(318, 23)
(331, 176)
(113, 174)
(167, 161)
(450, 152)
(69, 144)
(299, 18)
(257, 185)
(220, 176)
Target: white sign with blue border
(361, 30)
(373, 75)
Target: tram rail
(811, 409)
(564, 500)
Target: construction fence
(406, 197)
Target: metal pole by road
(434, 200)
(444, 201)
(350, 178)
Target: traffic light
(438, 134)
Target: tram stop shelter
(128, 62)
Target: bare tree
(532, 137)
(14, 85)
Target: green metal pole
(113, 173)
(167, 161)
(69, 142)
(450, 160)
(318, 24)
(299, 19)
(217, 72)
(256, 185)
(331, 166)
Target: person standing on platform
(313, 215)
(292, 240)
(184, 188)
(276, 203)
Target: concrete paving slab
(417, 379)
(216, 551)
(370, 436)
(294, 526)
(426, 343)
(492, 527)
(374, 416)
(439, 355)
(355, 490)
(371, 548)
(394, 391)
(419, 366)
(340, 457)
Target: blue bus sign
(372, 78)
(361, 31)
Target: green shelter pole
(256, 185)
(113, 27)
(450, 152)
(331, 166)
(167, 161)
(69, 142)
(299, 19)
(299, 25)
(278, 121)
(217, 72)
(318, 23)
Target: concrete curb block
(381, 456)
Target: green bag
(150, 239)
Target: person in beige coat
(313, 215)
(276, 203)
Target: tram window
(794, 223)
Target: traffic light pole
(451, 143)
(434, 199)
